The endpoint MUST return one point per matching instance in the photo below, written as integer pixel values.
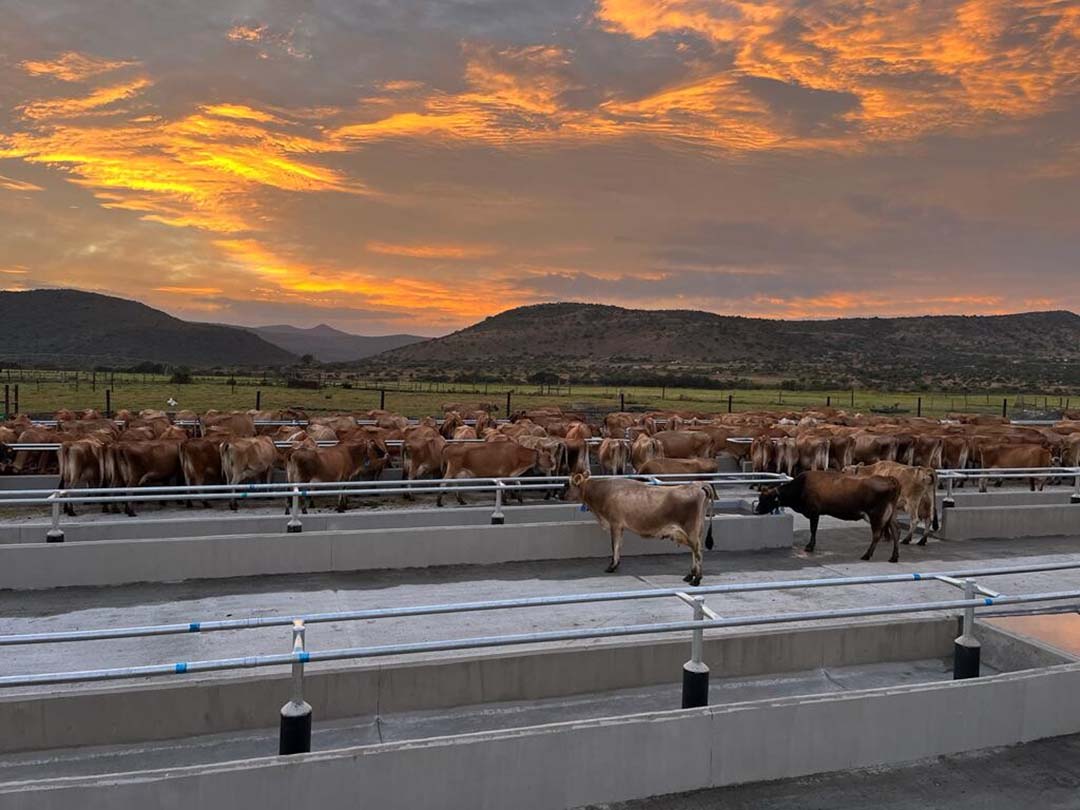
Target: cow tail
(710, 495)
(933, 503)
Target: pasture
(45, 391)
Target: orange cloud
(181, 290)
(13, 271)
(894, 303)
(431, 251)
(72, 67)
(72, 107)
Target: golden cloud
(74, 107)
(11, 184)
(441, 251)
(72, 66)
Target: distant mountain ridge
(80, 329)
(594, 341)
(327, 344)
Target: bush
(181, 376)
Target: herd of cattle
(851, 466)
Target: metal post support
(966, 649)
(948, 500)
(294, 526)
(295, 736)
(55, 534)
(497, 517)
(695, 673)
(1075, 497)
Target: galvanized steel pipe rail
(481, 642)
(526, 602)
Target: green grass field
(52, 390)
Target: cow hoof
(905, 541)
(808, 548)
(610, 569)
(921, 542)
(695, 581)
(895, 558)
(865, 556)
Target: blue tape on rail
(194, 627)
(303, 656)
(917, 577)
(988, 601)
(181, 667)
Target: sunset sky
(413, 166)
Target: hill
(74, 328)
(327, 344)
(590, 342)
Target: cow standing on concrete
(918, 496)
(681, 513)
(847, 497)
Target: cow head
(573, 489)
(768, 501)
(546, 462)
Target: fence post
(382, 399)
(622, 401)
(918, 407)
(828, 401)
(294, 526)
(966, 649)
(258, 399)
(507, 404)
(1005, 408)
(55, 534)
(948, 500)
(730, 397)
(295, 736)
(497, 517)
(108, 403)
(695, 673)
(7, 401)
(1075, 497)
(16, 399)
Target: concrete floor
(404, 726)
(839, 548)
(1043, 774)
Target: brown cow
(685, 443)
(421, 454)
(81, 465)
(200, 461)
(1017, 456)
(644, 448)
(577, 447)
(140, 464)
(678, 466)
(846, 497)
(342, 462)
(682, 513)
(493, 460)
(614, 456)
(247, 459)
(917, 493)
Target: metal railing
(705, 619)
(500, 487)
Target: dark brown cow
(681, 513)
(846, 497)
(140, 464)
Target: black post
(852, 397)
(7, 401)
(258, 399)
(1005, 408)
(663, 392)
(93, 381)
(695, 685)
(966, 654)
(295, 736)
(828, 401)
(382, 399)
(507, 404)
(622, 401)
(108, 403)
(730, 397)
(918, 407)
(16, 399)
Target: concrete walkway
(838, 551)
(1043, 774)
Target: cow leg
(875, 535)
(343, 503)
(809, 547)
(616, 548)
(894, 530)
(694, 577)
(913, 522)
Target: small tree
(181, 376)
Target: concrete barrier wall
(28, 566)
(1008, 497)
(977, 522)
(208, 704)
(612, 759)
